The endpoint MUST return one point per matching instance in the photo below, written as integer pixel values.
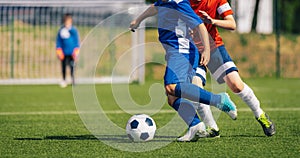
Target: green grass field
(41, 121)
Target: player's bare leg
(241, 89)
(237, 86)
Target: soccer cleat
(227, 106)
(210, 133)
(213, 133)
(192, 133)
(267, 125)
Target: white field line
(121, 112)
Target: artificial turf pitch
(41, 121)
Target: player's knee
(171, 100)
(170, 89)
(198, 82)
(237, 87)
(234, 81)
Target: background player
(67, 47)
(175, 18)
(218, 13)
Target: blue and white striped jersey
(175, 18)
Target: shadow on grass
(125, 139)
(114, 138)
(70, 137)
(243, 136)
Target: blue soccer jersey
(175, 19)
(67, 40)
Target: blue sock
(186, 111)
(196, 94)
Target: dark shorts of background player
(68, 61)
(220, 65)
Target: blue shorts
(220, 65)
(181, 67)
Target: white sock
(248, 96)
(206, 116)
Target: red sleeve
(224, 9)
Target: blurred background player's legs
(72, 67)
(63, 83)
(68, 61)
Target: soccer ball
(140, 128)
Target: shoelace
(264, 120)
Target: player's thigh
(64, 63)
(221, 64)
(70, 61)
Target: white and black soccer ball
(65, 33)
(140, 128)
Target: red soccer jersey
(216, 9)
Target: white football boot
(193, 133)
(210, 133)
